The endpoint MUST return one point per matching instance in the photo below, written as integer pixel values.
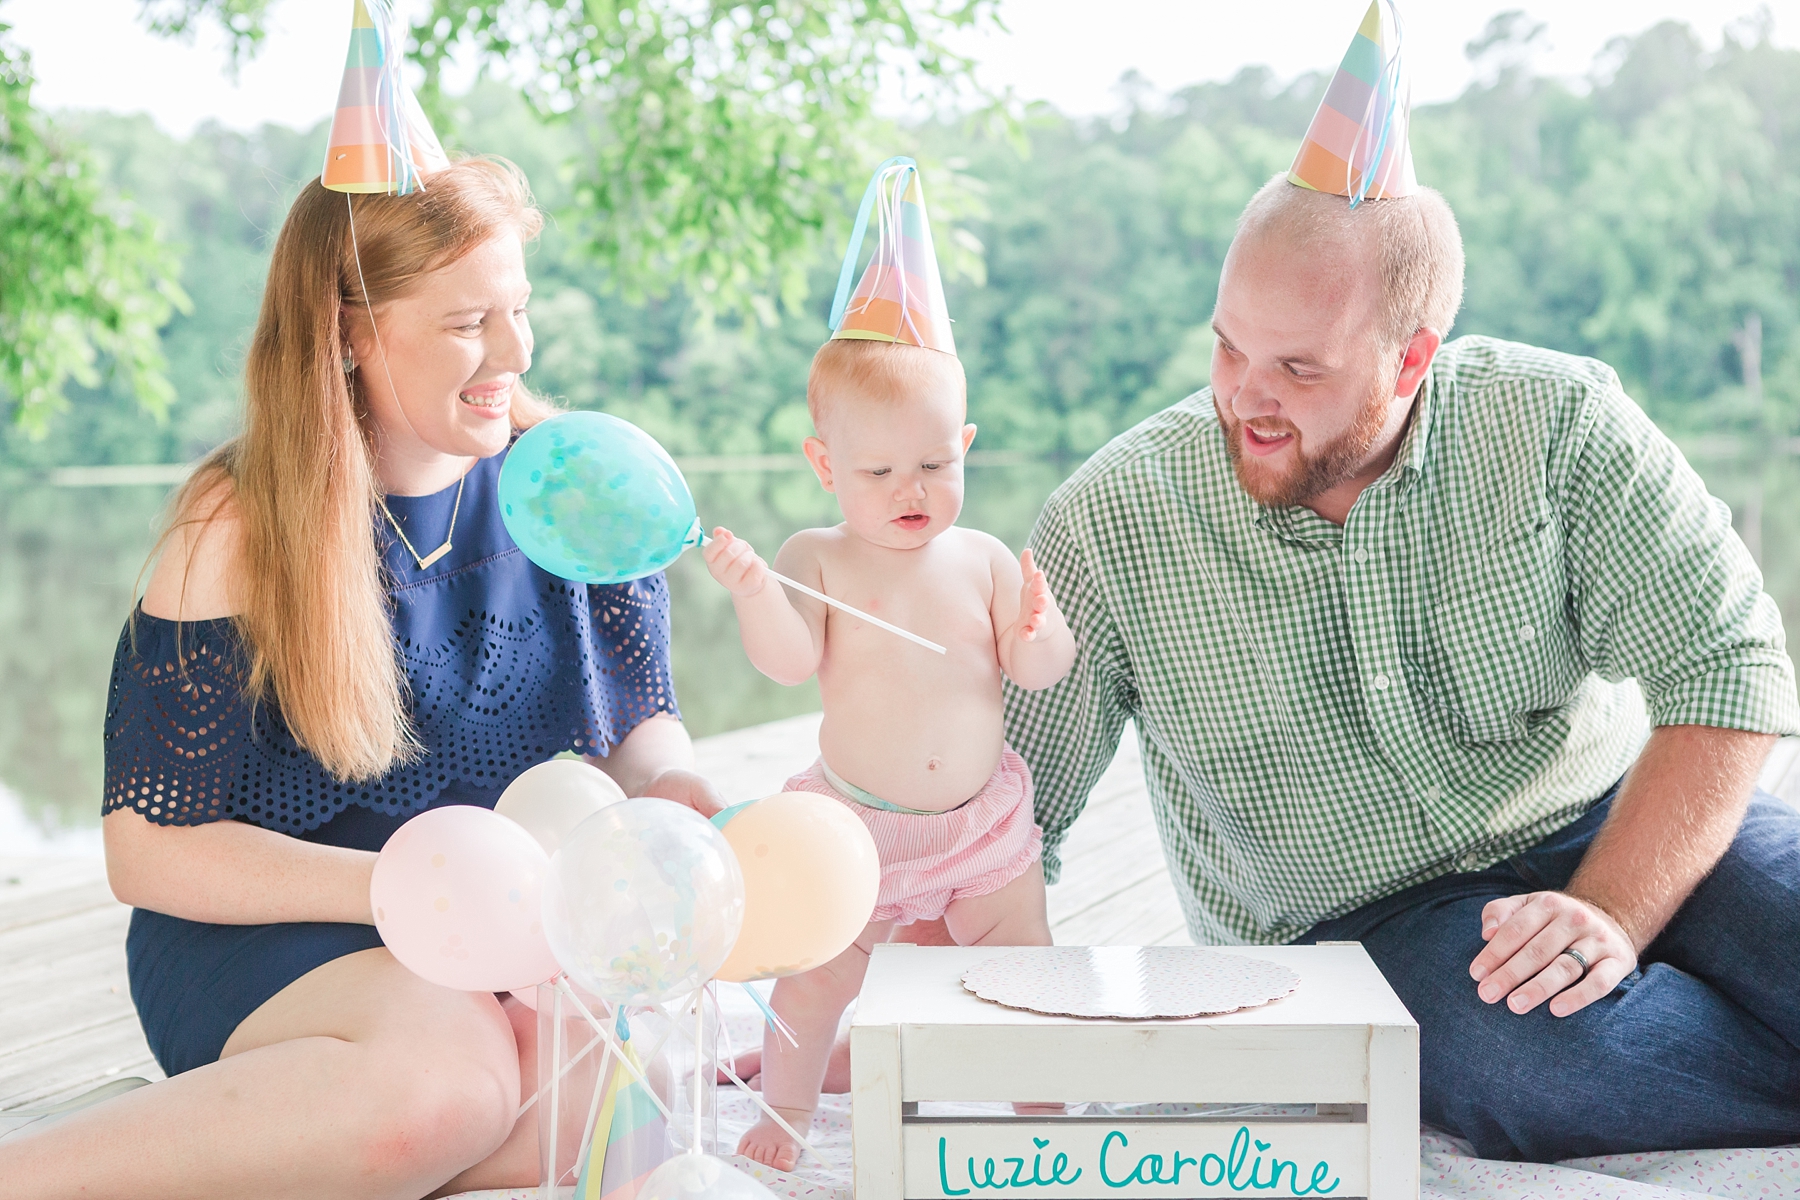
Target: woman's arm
(230, 873)
(225, 872)
(657, 759)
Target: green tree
(82, 274)
(715, 139)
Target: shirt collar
(1302, 525)
(1414, 453)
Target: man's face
(1302, 389)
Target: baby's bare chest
(951, 606)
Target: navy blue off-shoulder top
(507, 666)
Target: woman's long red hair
(313, 610)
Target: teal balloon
(594, 499)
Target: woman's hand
(685, 787)
(657, 759)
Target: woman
(337, 635)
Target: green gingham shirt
(1330, 714)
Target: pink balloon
(456, 894)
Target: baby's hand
(1036, 604)
(734, 564)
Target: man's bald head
(1412, 241)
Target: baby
(913, 742)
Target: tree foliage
(713, 139)
(717, 138)
(82, 274)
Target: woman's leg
(358, 1080)
(812, 1003)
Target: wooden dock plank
(66, 1022)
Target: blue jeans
(1698, 1047)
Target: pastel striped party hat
(901, 296)
(630, 1138)
(1359, 143)
(380, 139)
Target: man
(1393, 617)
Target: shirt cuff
(1756, 696)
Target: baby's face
(896, 465)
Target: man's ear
(820, 460)
(968, 436)
(1415, 361)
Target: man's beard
(1311, 474)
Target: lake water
(69, 558)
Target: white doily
(1131, 982)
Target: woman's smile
(490, 398)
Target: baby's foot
(769, 1144)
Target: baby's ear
(820, 460)
(968, 436)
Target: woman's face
(440, 365)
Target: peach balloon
(811, 874)
(552, 798)
(457, 894)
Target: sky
(94, 53)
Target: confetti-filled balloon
(644, 902)
(457, 898)
(594, 499)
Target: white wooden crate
(1342, 1040)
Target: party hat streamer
(901, 297)
(380, 139)
(1358, 144)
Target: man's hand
(1524, 963)
(1675, 815)
(734, 564)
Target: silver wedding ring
(1580, 958)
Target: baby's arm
(783, 643)
(1035, 646)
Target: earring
(349, 364)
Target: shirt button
(1468, 862)
(1526, 633)
(1434, 792)
(1381, 683)
(1361, 555)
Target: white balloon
(701, 1177)
(552, 798)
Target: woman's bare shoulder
(197, 570)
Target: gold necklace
(448, 534)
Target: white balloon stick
(857, 612)
(822, 598)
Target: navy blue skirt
(194, 983)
